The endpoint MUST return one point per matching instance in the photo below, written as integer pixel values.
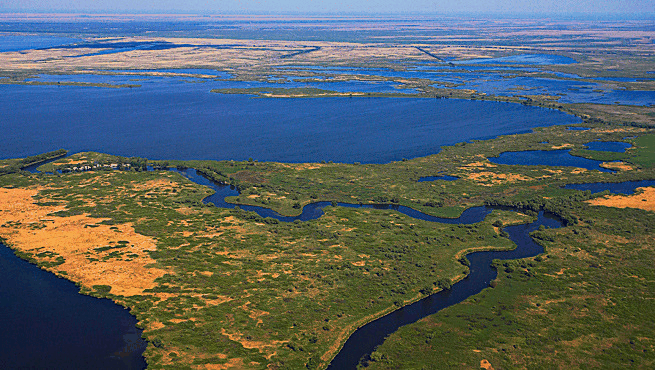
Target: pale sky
(636, 7)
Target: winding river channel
(126, 347)
(364, 340)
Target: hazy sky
(637, 7)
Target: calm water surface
(548, 158)
(608, 146)
(171, 118)
(18, 43)
(46, 324)
(435, 178)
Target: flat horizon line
(565, 15)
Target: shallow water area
(532, 59)
(488, 78)
(568, 91)
(192, 76)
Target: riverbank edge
(4, 243)
(334, 351)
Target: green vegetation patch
(586, 302)
(645, 151)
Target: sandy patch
(484, 364)
(567, 145)
(645, 199)
(158, 184)
(480, 164)
(233, 363)
(250, 344)
(492, 178)
(619, 166)
(155, 325)
(73, 239)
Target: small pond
(435, 178)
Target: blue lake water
(18, 43)
(113, 47)
(435, 178)
(608, 146)
(548, 158)
(46, 324)
(171, 118)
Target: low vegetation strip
(585, 303)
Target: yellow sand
(644, 199)
(29, 228)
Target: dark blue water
(548, 158)
(435, 178)
(18, 43)
(369, 336)
(626, 187)
(46, 324)
(169, 118)
(609, 146)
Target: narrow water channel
(364, 340)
